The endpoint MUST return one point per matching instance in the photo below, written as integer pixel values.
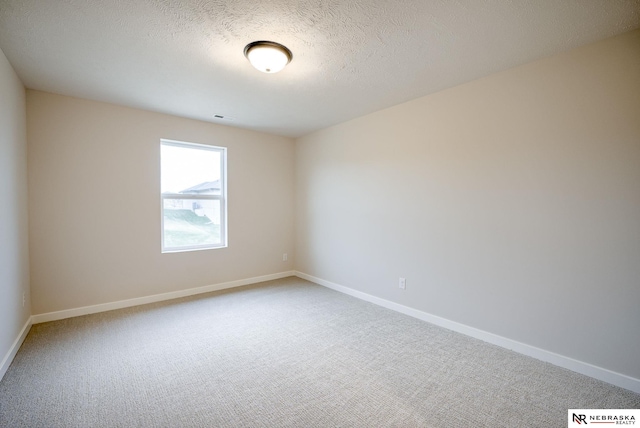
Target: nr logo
(580, 419)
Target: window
(194, 191)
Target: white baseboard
(581, 367)
(6, 361)
(103, 307)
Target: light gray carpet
(284, 353)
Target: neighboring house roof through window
(204, 187)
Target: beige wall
(95, 204)
(14, 250)
(510, 204)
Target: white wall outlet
(24, 298)
(402, 283)
(285, 257)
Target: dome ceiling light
(268, 57)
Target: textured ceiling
(350, 57)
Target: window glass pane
(190, 170)
(193, 201)
(191, 222)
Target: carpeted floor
(284, 353)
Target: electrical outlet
(402, 283)
(285, 257)
(24, 298)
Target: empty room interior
(426, 214)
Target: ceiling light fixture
(268, 57)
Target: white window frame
(222, 197)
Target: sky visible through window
(186, 167)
